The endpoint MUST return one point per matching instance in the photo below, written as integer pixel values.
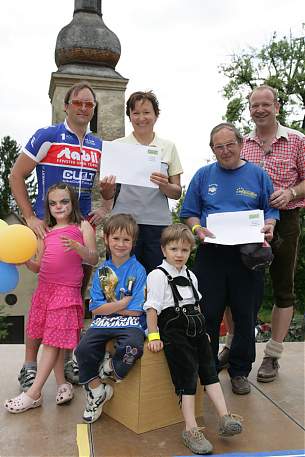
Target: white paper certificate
(236, 227)
(130, 163)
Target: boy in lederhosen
(176, 324)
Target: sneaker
(195, 440)
(268, 370)
(223, 358)
(240, 385)
(230, 425)
(26, 378)
(96, 401)
(105, 369)
(72, 371)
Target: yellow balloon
(18, 243)
(3, 224)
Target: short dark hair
(142, 96)
(76, 88)
(75, 216)
(228, 126)
(177, 232)
(121, 222)
(265, 87)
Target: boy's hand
(155, 345)
(125, 300)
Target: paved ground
(273, 419)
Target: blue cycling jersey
(61, 157)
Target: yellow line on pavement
(82, 440)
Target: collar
(70, 130)
(135, 141)
(172, 270)
(113, 266)
(281, 132)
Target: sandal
(22, 403)
(64, 393)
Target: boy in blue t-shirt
(117, 297)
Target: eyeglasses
(81, 103)
(222, 147)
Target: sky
(173, 47)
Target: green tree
(9, 151)
(280, 64)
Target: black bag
(256, 256)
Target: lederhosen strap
(180, 281)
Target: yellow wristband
(195, 227)
(153, 336)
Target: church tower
(87, 50)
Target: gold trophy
(108, 281)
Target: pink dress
(56, 313)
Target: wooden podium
(145, 400)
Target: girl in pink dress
(56, 313)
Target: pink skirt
(56, 315)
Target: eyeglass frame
(80, 103)
(222, 147)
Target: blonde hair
(177, 232)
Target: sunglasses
(81, 103)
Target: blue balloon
(9, 277)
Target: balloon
(3, 224)
(9, 277)
(18, 243)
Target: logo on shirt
(212, 189)
(72, 156)
(246, 193)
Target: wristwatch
(293, 192)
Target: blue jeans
(91, 351)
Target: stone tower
(87, 50)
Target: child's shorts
(187, 348)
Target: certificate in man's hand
(130, 163)
(238, 227)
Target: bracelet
(195, 227)
(153, 336)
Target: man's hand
(155, 345)
(280, 198)
(37, 225)
(268, 231)
(97, 216)
(202, 233)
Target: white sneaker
(96, 398)
(105, 369)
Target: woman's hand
(107, 187)
(168, 185)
